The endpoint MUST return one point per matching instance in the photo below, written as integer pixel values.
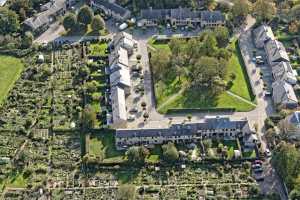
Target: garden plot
(65, 158)
(10, 141)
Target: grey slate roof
(212, 16)
(112, 6)
(43, 18)
(187, 129)
(162, 14)
(158, 14)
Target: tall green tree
(240, 9)
(69, 21)
(137, 154)
(264, 9)
(9, 21)
(222, 35)
(27, 40)
(170, 152)
(85, 15)
(97, 23)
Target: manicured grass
(95, 147)
(10, 70)
(171, 93)
(159, 45)
(103, 144)
(241, 86)
(98, 49)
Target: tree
(9, 22)
(126, 192)
(160, 62)
(88, 117)
(27, 40)
(137, 154)
(170, 152)
(84, 72)
(240, 9)
(222, 35)
(97, 23)
(92, 86)
(85, 15)
(69, 21)
(204, 72)
(264, 9)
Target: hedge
(193, 110)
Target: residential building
(276, 52)
(121, 78)
(212, 19)
(284, 95)
(111, 9)
(152, 17)
(284, 71)
(210, 127)
(262, 34)
(291, 125)
(118, 102)
(40, 23)
(181, 17)
(121, 48)
(124, 40)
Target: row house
(283, 74)
(119, 74)
(181, 17)
(111, 9)
(211, 127)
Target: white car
(131, 118)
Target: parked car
(131, 118)
(268, 93)
(133, 110)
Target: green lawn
(17, 181)
(98, 49)
(241, 85)
(103, 145)
(10, 70)
(170, 93)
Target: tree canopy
(170, 152)
(9, 22)
(97, 23)
(85, 15)
(264, 9)
(69, 21)
(137, 154)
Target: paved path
(241, 98)
(171, 98)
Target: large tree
(97, 23)
(222, 35)
(170, 152)
(137, 154)
(160, 63)
(9, 22)
(85, 15)
(69, 21)
(240, 9)
(27, 40)
(205, 71)
(264, 9)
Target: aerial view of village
(149, 99)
